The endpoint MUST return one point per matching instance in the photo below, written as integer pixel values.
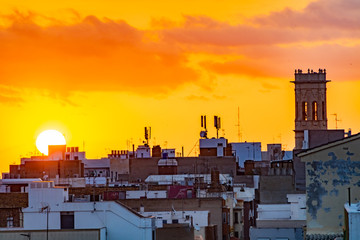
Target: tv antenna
(238, 125)
(336, 120)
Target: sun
(49, 137)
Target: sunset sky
(100, 71)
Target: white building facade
(49, 209)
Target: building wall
(320, 137)
(274, 211)
(118, 166)
(204, 165)
(11, 205)
(273, 189)
(314, 138)
(238, 220)
(69, 169)
(113, 215)
(56, 152)
(13, 200)
(299, 172)
(141, 168)
(352, 222)
(148, 194)
(89, 234)
(214, 205)
(330, 171)
(39, 169)
(276, 233)
(246, 151)
(175, 231)
(14, 213)
(120, 222)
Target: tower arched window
(323, 111)
(315, 111)
(304, 111)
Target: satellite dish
(203, 134)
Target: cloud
(91, 55)
(238, 67)
(322, 20)
(197, 98)
(10, 96)
(339, 14)
(279, 62)
(325, 34)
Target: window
(164, 221)
(10, 222)
(189, 193)
(315, 111)
(224, 217)
(175, 221)
(304, 111)
(67, 220)
(21, 219)
(236, 217)
(236, 234)
(323, 110)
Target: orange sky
(101, 71)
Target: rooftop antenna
(147, 135)
(203, 133)
(238, 125)
(217, 125)
(336, 120)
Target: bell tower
(310, 103)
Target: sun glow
(49, 137)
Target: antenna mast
(203, 133)
(238, 125)
(336, 120)
(217, 125)
(147, 135)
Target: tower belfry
(310, 103)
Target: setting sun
(49, 137)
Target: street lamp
(47, 208)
